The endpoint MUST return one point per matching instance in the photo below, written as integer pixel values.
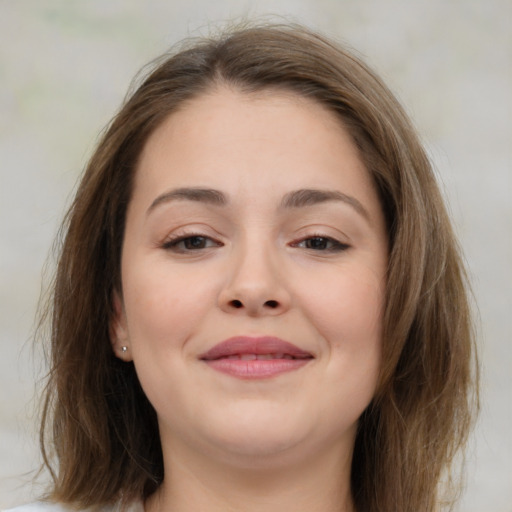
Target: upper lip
(240, 345)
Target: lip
(255, 357)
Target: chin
(261, 453)
(262, 444)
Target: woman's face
(253, 277)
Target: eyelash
(207, 242)
(174, 243)
(336, 245)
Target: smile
(260, 357)
(255, 358)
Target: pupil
(317, 243)
(195, 242)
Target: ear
(118, 330)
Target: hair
(99, 433)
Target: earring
(124, 349)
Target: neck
(193, 482)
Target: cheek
(347, 309)
(164, 308)
(347, 312)
(163, 305)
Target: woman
(259, 302)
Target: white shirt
(57, 507)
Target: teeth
(264, 357)
(259, 357)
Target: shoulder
(41, 506)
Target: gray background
(65, 67)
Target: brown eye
(318, 243)
(190, 243)
(195, 242)
(322, 243)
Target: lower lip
(256, 369)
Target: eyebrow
(201, 195)
(309, 197)
(295, 199)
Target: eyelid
(338, 245)
(171, 241)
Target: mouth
(255, 358)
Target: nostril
(271, 304)
(236, 304)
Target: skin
(313, 275)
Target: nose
(255, 285)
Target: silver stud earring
(124, 349)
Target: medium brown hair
(99, 433)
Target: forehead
(266, 142)
(236, 116)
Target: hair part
(97, 425)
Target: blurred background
(65, 67)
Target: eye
(189, 243)
(321, 243)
